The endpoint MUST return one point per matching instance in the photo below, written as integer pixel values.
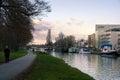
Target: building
(48, 38)
(100, 29)
(81, 43)
(91, 40)
(108, 34)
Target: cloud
(74, 21)
(41, 25)
(36, 21)
(41, 29)
(72, 26)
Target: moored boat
(112, 53)
(85, 50)
(108, 51)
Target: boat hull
(109, 54)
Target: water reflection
(101, 68)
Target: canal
(100, 68)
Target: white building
(108, 34)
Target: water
(100, 68)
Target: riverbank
(47, 67)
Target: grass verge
(46, 67)
(13, 55)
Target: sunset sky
(76, 17)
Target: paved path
(11, 69)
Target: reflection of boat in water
(107, 51)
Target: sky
(76, 17)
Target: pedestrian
(33, 50)
(7, 54)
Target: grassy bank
(13, 55)
(46, 67)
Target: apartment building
(108, 34)
(91, 40)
